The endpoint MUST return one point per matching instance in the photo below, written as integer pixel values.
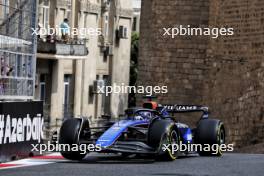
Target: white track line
(34, 161)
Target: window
(134, 23)
(106, 99)
(106, 26)
(45, 17)
(1, 12)
(85, 20)
(42, 91)
(68, 15)
(66, 100)
(44, 14)
(68, 2)
(6, 8)
(68, 97)
(42, 87)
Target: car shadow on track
(118, 159)
(112, 159)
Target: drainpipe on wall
(114, 17)
(111, 39)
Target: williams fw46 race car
(144, 131)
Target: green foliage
(134, 58)
(133, 66)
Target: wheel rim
(173, 140)
(173, 137)
(222, 136)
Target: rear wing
(186, 109)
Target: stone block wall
(234, 88)
(225, 73)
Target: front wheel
(169, 139)
(162, 136)
(69, 136)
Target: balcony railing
(73, 47)
(64, 3)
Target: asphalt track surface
(113, 165)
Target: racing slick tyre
(163, 132)
(69, 134)
(210, 133)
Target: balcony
(56, 49)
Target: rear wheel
(69, 135)
(211, 133)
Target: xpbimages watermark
(57, 30)
(123, 89)
(189, 147)
(181, 30)
(50, 147)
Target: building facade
(224, 73)
(68, 72)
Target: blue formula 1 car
(144, 131)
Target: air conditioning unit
(98, 86)
(109, 50)
(122, 32)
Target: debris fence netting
(17, 49)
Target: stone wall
(225, 73)
(178, 62)
(235, 84)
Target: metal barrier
(21, 124)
